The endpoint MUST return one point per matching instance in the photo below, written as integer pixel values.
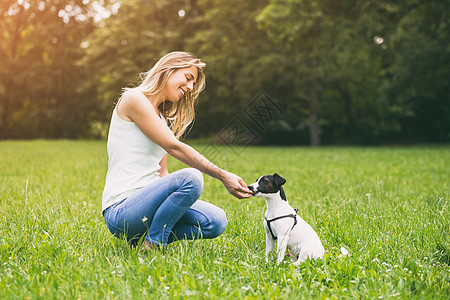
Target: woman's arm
(140, 110)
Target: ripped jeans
(167, 210)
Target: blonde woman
(140, 196)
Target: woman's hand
(235, 185)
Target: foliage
(346, 72)
(421, 68)
(130, 43)
(389, 207)
(40, 77)
(241, 61)
(346, 54)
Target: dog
(283, 225)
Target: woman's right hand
(235, 185)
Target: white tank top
(133, 160)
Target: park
(348, 101)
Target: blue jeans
(167, 210)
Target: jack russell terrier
(283, 225)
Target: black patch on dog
(271, 184)
(282, 194)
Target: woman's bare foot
(147, 246)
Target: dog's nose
(250, 188)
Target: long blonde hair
(181, 114)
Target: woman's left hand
(235, 185)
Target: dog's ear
(282, 194)
(279, 181)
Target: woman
(140, 196)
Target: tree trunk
(3, 121)
(6, 102)
(352, 127)
(5, 111)
(313, 113)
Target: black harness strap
(281, 217)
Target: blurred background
(344, 72)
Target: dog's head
(268, 184)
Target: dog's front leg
(270, 245)
(281, 247)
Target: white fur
(301, 240)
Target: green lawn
(388, 206)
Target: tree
(301, 27)
(131, 42)
(420, 68)
(223, 34)
(39, 47)
(379, 67)
(241, 61)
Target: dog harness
(281, 217)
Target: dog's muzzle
(254, 190)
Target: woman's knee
(219, 222)
(195, 179)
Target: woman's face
(180, 82)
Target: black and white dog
(283, 225)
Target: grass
(388, 206)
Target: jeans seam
(109, 224)
(106, 215)
(209, 220)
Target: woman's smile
(182, 92)
(180, 83)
